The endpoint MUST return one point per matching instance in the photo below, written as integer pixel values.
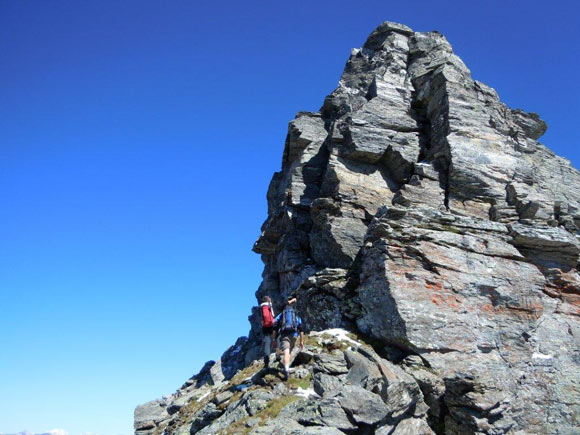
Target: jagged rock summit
(419, 212)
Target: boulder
(412, 426)
(361, 405)
(204, 416)
(313, 412)
(332, 364)
(150, 414)
(326, 385)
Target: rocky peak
(420, 212)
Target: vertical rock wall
(418, 208)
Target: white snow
(305, 393)
(204, 396)
(539, 355)
(339, 334)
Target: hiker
(288, 324)
(267, 315)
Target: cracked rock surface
(420, 212)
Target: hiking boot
(285, 375)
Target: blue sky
(137, 142)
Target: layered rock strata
(420, 211)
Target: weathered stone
(432, 387)
(182, 430)
(285, 426)
(255, 401)
(234, 413)
(551, 247)
(362, 371)
(362, 405)
(326, 385)
(399, 391)
(222, 397)
(386, 429)
(150, 414)
(304, 356)
(333, 415)
(304, 411)
(412, 426)
(322, 299)
(327, 412)
(337, 235)
(204, 417)
(332, 364)
(282, 426)
(530, 123)
(301, 373)
(252, 422)
(177, 404)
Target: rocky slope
(421, 213)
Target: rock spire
(418, 211)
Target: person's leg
(290, 342)
(267, 349)
(287, 359)
(286, 356)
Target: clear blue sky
(137, 142)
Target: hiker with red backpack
(288, 325)
(267, 315)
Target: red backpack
(267, 316)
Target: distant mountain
(50, 432)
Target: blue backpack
(288, 320)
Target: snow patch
(338, 333)
(203, 396)
(306, 393)
(538, 355)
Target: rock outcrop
(421, 213)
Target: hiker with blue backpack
(288, 326)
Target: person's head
(291, 299)
(266, 300)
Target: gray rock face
(332, 364)
(149, 415)
(362, 372)
(412, 426)
(290, 427)
(327, 385)
(416, 209)
(327, 412)
(364, 407)
(203, 417)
